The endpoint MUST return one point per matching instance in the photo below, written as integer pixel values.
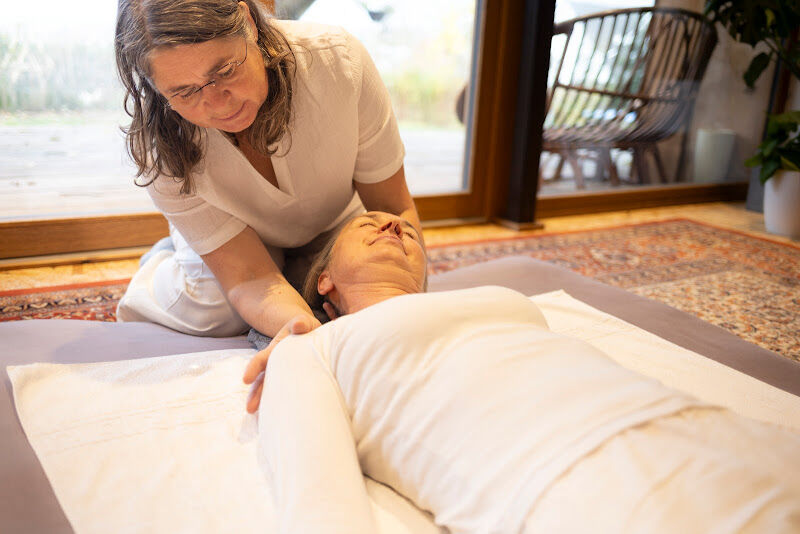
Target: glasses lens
(225, 75)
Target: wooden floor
(726, 215)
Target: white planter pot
(782, 203)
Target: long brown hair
(160, 141)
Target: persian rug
(745, 284)
(92, 301)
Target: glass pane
(61, 149)
(62, 152)
(640, 98)
(424, 52)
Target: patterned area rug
(94, 301)
(748, 285)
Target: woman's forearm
(267, 303)
(254, 285)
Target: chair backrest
(630, 73)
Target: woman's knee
(181, 295)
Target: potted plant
(773, 23)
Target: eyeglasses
(226, 74)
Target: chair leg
(576, 169)
(599, 166)
(662, 175)
(611, 167)
(560, 167)
(680, 168)
(540, 181)
(640, 165)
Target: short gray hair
(321, 262)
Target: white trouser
(177, 290)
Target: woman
(256, 138)
(467, 404)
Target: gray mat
(27, 503)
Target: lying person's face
(378, 247)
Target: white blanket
(164, 444)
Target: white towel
(160, 445)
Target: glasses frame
(234, 64)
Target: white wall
(724, 101)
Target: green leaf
(789, 165)
(768, 146)
(768, 169)
(757, 66)
(790, 156)
(778, 129)
(787, 118)
(770, 17)
(753, 161)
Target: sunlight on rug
(747, 285)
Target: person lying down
(465, 403)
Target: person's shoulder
(325, 55)
(313, 36)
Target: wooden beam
(58, 236)
(646, 197)
(530, 111)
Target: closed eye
(226, 72)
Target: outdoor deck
(69, 170)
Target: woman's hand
(254, 373)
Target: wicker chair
(625, 79)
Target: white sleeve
(204, 226)
(380, 149)
(307, 442)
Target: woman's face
(378, 247)
(232, 102)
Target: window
(638, 101)
(61, 149)
(70, 213)
(423, 51)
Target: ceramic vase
(782, 204)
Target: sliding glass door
(645, 103)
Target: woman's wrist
(278, 308)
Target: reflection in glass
(636, 98)
(61, 149)
(423, 51)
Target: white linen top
(463, 401)
(343, 130)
